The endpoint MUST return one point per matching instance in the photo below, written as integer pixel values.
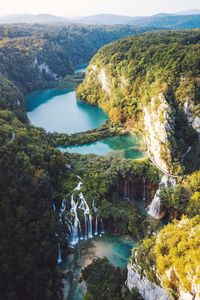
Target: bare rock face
(192, 116)
(158, 129)
(43, 68)
(156, 120)
(104, 81)
(148, 289)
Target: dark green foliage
(106, 282)
(140, 68)
(184, 198)
(39, 56)
(31, 176)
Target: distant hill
(181, 20)
(108, 19)
(168, 21)
(189, 12)
(29, 18)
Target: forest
(34, 175)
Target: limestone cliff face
(158, 131)
(149, 290)
(155, 120)
(193, 116)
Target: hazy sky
(88, 7)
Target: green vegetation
(31, 176)
(38, 56)
(109, 287)
(108, 129)
(124, 76)
(174, 255)
(33, 173)
(184, 198)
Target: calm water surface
(59, 110)
(127, 146)
(116, 248)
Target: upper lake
(58, 110)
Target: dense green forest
(34, 175)
(132, 77)
(24, 48)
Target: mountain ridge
(179, 20)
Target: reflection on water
(116, 248)
(59, 110)
(127, 146)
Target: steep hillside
(150, 83)
(171, 259)
(31, 56)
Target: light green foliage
(174, 255)
(139, 68)
(185, 197)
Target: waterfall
(126, 190)
(80, 231)
(53, 205)
(78, 186)
(72, 224)
(59, 258)
(90, 227)
(96, 219)
(86, 227)
(154, 209)
(96, 226)
(74, 235)
(155, 206)
(102, 226)
(88, 217)
(63, 206)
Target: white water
(155, 207)
(102, 226)
(74, 237)
(96, 226)
(70, 220)
(59, 258)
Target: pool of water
(127, 146)
(58, 110)
(116, 248)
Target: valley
(99, 173)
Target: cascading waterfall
(155, 207)
(53, 205)
(71, 222)
(96, 226)
(88, 217)
(74, 238)
(90, 227)
(59, 258)
(96, 219)
(102, 226)
(126, 196)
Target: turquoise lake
(117, 249)
(58, 110)
(126, 146)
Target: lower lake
(126, 146)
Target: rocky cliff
(166, 266)
(139, 83)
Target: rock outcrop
(158, 130)
(149, 290)
(192, 116)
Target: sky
(90, 7)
